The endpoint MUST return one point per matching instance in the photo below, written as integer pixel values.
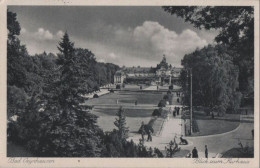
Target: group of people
(176, 111)
(195, 152)
(178, 94)
(143, 132)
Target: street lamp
(190, 71)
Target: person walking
(174, 113)
(195, 153)
(178, 110)
(206, 151)
(149, 138)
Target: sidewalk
(170, 128)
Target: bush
(118, 86)
(165, 97)
(95, 96)
(112, 91)
(158, 153)
(156, 113)
(162, 103)
(171, 87)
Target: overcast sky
(127, 36)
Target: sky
(129, 36)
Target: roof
(119, 73)
(138, 70)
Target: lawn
(213, 126)
(133, 112)
(208, 126)
(238, 153)
(126, 98)
(134, 118)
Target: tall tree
(120, 123)
(236, 29)
(73, 130)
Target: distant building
(119, 77)
(162, 73)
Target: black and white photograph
(131, 82)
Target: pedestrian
(136, 102)
(195, 153)
(252, 131)
(178, 100)
(149, 138)
(206, 151)
(178, 110)
(174, 113)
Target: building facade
(161, 74)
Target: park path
(171, 127)
(222, 142)
(154, 87)
(216, 143)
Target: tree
(13, 25)
(215, 78)
(69, 128)
(236, 30)
(120, 123)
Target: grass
(133, 123)
(213, 126)
(128, 112)
(126, 98)
(238, 153)
(208, 126)
(134, 118)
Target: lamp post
(191, 101)
(189, 71)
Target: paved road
(222, 142)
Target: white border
(122, 162)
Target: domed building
(163, 73)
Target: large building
(161, 74)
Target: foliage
(214, 80)
(120, 123)
(95, 96)
(157, 112)
(17, 101)
(236, 30)
(118, 86)
(162, 103)
(45, 92)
